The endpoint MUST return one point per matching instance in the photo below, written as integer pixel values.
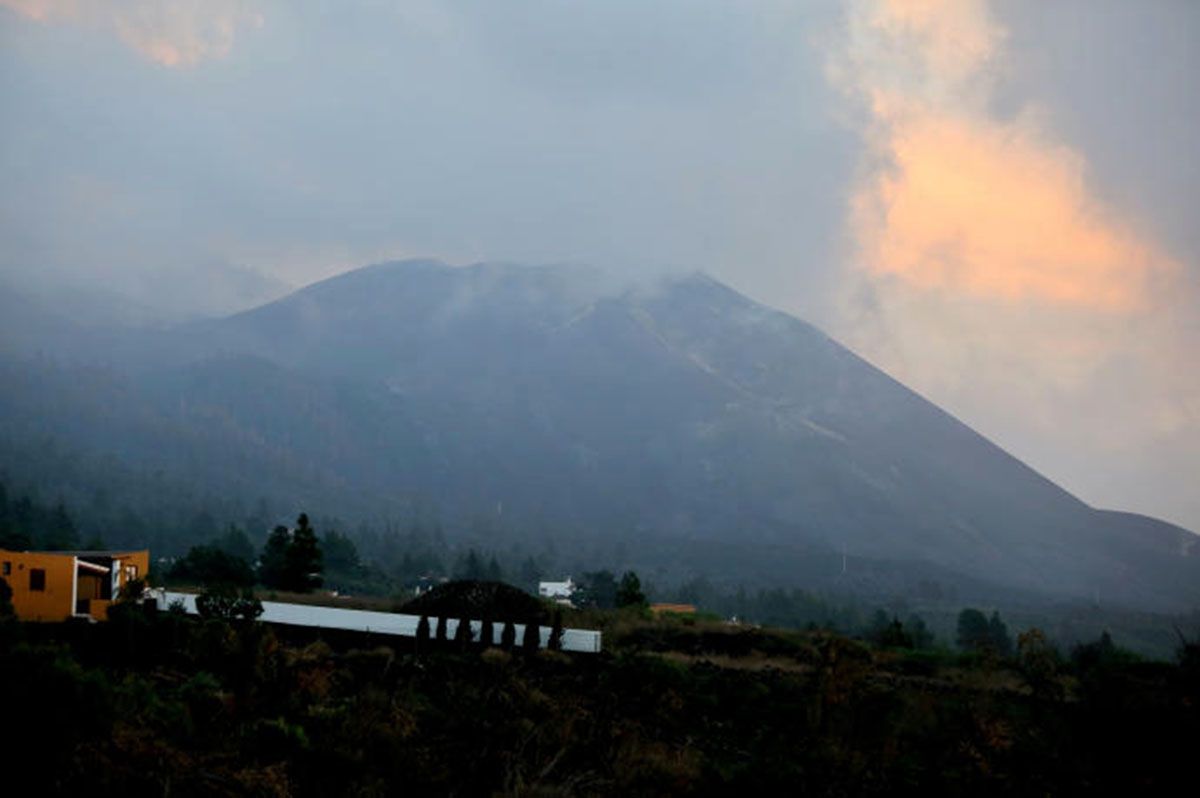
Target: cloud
(171, 33)
(959, 200)
(986, 270)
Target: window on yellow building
(7, 568)
(37, 578)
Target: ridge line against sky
(989, 201)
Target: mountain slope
(682, 419)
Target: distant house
(426, 583)
(57, 585)
(560, 592)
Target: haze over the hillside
(993, 202)
(681, 428)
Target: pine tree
(340, 554)
(493, 572)
(235, 543)
(532, 639)
(423, 633)
(974, 633)
(1000, 640)
(471, 566)
(556, 632)
(462, 633)
(531, 574)
(272, 563)
(629, 591)
(303, 559)
(508, 637)
(487, 633)
(60, 532)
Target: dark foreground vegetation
(161, 703)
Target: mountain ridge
(683, 412)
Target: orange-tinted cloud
(172, 33)
(964, 202)
(992, 211)
(989, 274)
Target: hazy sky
(994, 202)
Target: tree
(974, 632)
(59, 531)
(598, 589)
(487, 633)
(629, 592)
(531, 574)
(1039, 663)
(235, 543)
(922, 638)
(1101, 654)
(531, 640)
(1000, 640)
(272, 565)
(556, 632)
(462, 633)
(508, 637)
(208, 565)
(470, 566)
(340, 554)
(422, 632)
(889, 632)
(303, 559)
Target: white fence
(384, 623)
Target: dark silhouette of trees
(508, 637)
(597, 589)
(60, 532)
(629, 592)
(1001, 641)
(1039, 663)
(304, 562)
(272, 564)
(26, 524)
(291, 560)
(556, 632)
(423, 633)
(889, 632)
(916, 628)
(340, 555)
(531, 639)
(530, 574)
(976, 632)
(235, 543)
(462, 633)
(470, 566)
(209, 565)
(487, 633)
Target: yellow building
(57, 585)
